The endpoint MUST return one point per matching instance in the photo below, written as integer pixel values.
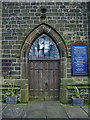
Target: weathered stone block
(52, 14)
(29, 21)
(33, 10)
(17, 68)
(36, 22)
(14, 51)
(62, 6)
(66, 3)
(6, 51)
(26, 18)
(6, 46)
(5, 56)
(63, 95)
(38, 14)
(24, 94)
(52, 21)
(53, 10)
(5, 42)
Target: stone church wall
(69, 19)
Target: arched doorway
(26, 63)
(44, 59)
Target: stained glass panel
(44, 48)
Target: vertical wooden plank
(56, 64)
(40, 80)
(40, 73)
(51, 83)
(31, 65)
(36, 82)
(51, 65)
(31, 87)
(56, 83)
(45, 65)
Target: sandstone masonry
(19, 19)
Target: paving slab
(86, 108)
(75, 112)
(3, 106)
(13, 111)
(46, 110)
(49, 109)
(35, 110)
(55, 110)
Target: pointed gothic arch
(32, 36)
(49, 31)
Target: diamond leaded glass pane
(44, 48)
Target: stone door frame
(55, 36)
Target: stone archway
(44, 65)
(49, 31)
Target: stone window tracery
(44, 48)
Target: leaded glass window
(44, 48)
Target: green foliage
(18, 99)
(79, 93)
(10, 91)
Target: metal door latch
(46, 85)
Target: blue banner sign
(79, 60)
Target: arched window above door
(44, 48)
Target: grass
(87, 106)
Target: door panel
(44, 80)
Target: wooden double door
(44, 83)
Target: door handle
(46, 85)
